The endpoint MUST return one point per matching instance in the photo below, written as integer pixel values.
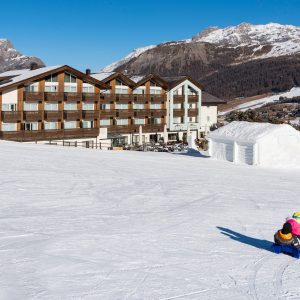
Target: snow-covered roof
(137, 78)
(20, 75)
(248, 131)
(102, 75)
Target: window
(192, 119)
(157, 120)
(51, 106)
(51, 88)
(177, 106)
(105, 122)
(138, 106)
(9, 126)
(155, 106)
(31, 126)
(88, 106)
(121, 90)
(50, 125)
(193, 105)
(139, 91)
(118, 82)
(52, 78)
(9, 107)
(87, 124)
(70, 88)
(191, 91)
(88, 89)
(121, 106)
(153, 83)
(70, 106)
(122, 121)
(104, 106)
(30, 106)
(70, 124)
(155, 91)
(69, 78)
(139, 121)
(33, 87)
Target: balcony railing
(90, 97)
(11, 116)
(178, 112)
(193, 112)
(153, 128)
(53, 115)
(123, 129)
(72, 115)
(158, 112)
(193, 98)
(123, 98)
(33, 96)
(106, 98)
(58, 134)
(139, 98)
(107, 113)
(142, 112)
(90, 114)
(73, 97)
(125, 113)
(157, 98)
(178, 98)
(33, 116)
(54, 96)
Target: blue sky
(92, 34)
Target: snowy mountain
(11, 59)
(235, 61)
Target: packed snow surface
(87, 224)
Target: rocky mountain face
(11, 59)
(236, 61)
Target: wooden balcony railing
(73, 97)
(26, 136)
(123, 129)
(53, 115)
(153, 128)
(124, 113)
(72, 115)
(106, 98)
(140, 98)
(107, 113)
(142, 113)
(157, 98)
(193, 98)
(158, 112)
(90, 114)
(54, 97)
(178, 98)
(123, 98)
(178, 113)
(11, 116)
(90, 97)
(33, 116)
(33, 96)
(193, 112)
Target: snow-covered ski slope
(86, 224)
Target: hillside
(11, 59)
(237, 61)
(138, 225)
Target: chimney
(88, 72)
(34, 66)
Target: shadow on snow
(191, 152)
(257, 243)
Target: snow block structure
(256, 144)
(286, 249)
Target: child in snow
(290, 232)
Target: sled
(286, 249)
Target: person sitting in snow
(290, 232)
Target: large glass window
(52, 78)
(70, 124)
(70, 106)
(155, 106)
(50, 125)
(139, 91)
(88, 89)
(9, 126)
(87, 124)
(69, 78)
(121, 90)
(70, 88)
(9, 107)
(51, 106)
(88, 106)
(31, 126)
(139, 121)
(30, 106)
(33, 87)
(122, 106)
(157, 120)
(138, 106)
(155, 91)
(104, 106)
(105, 122)
(51, 88)
(122, 121)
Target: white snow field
(89, 224)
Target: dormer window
(52, 78)
(118, 82)
(70, 78)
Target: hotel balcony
(54, 97)
(11, 116)
(193, 112)
(58, 134)
(123, 129)
(157, 98)
(33, 96)
(123, 98)
(140, 98)
(53, 115)
(107, 113)
(153, 128)
(72, 115)
(72, 97)
(178, 112)
(193, 98)
(158, 112)
(106, 98)
(33, 116)
(90, 114)
(124, 113)
(142, 113)
(90, 97)
(178, 99)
